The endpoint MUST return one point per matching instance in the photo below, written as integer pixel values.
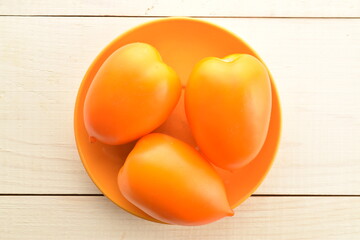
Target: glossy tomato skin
(132, 94)
(170, 181)
(228, 106)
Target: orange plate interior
(181, 42)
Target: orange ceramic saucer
(181, 42)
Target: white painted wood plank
(238, 8)
(315, 64)
(258, 218)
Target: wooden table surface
(312, 48)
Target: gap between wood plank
(159, 16)
(100, 195)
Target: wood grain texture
(258, 218)
(315, 64)
(234, 8)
